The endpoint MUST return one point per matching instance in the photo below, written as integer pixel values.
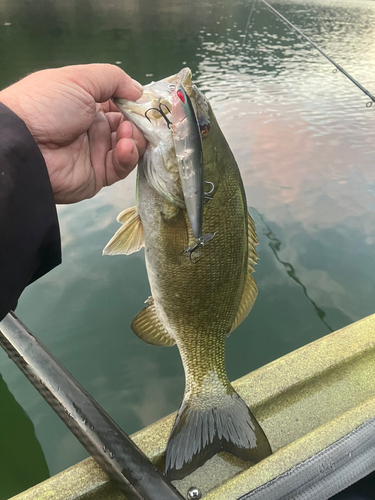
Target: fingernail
(137, 85)
(132, 128)
(101, 116)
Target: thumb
(103, 81)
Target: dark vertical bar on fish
(112, 449)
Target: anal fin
(129, 238)
(149, 328)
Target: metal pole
(112, 449)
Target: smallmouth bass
(202, 289)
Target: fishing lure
(189, 153)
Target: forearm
(29, 231)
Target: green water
(305, 144)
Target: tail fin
(198, 434)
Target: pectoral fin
(129, 238)
(149, 328)
(250, 290)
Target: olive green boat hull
(306, 401)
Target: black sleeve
(29, 230)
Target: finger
(123, 129)
(99, 135)
(108, 107)
(113, 140)
(112, 106)
(127, 130)
(114, 120)
(104, 81)
(121, 161)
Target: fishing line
(275, 244)
(247, 24)
(338, 67)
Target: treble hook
(159, 110)
(200, 243)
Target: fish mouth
(156, 101)
(152, 114)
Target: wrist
(18, 103)
(9, 100)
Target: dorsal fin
(149, 328)
(250, 290)
(129, 238)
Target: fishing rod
(338, 67)
(108, 444)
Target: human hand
(85, 141)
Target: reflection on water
(305, 144)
